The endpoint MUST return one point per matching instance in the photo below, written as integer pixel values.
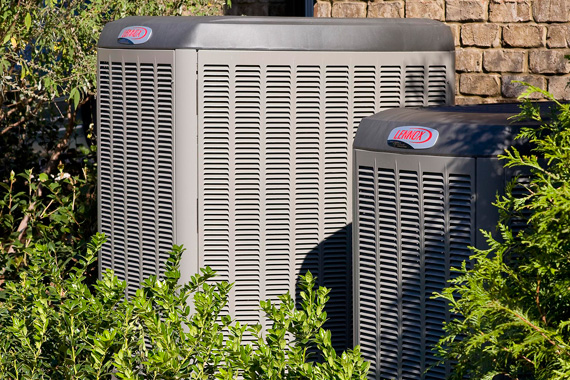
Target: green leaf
(75, 95)
(28, 21)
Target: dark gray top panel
(464, 131)
(284, 33)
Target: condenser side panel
(275, 139)
(136, 161)
(414, 220)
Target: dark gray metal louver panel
(415, 219)
(136, 168)
(276, 156)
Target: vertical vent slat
(368, 265)
(307, 132)
(388, 241)
(410, 280)
(336, 140)
(434, 266)
(249, 187)
(105, 162)
(136, 145)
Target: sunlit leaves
(515, 302)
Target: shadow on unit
(425, 181)
(233, 136)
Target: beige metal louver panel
(136, 166)
(416, 220)
(274, 148)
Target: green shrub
(515, 302)
(286, 351)
(48, 71)
(44, 209)
(54, 326)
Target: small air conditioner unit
(425, 181)
(233, 136)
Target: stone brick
(524, 35)
(456, 31)
(513, 90)
(509, 10)
(548, 62)
(558, 36)
(433, 9)
(349, 9)
(466, 10)
(388, 9)
(551, 10)
(468, 60)
(558, 86)
(466, 100)
(482, 35)
(504, 61)
(479, 84)
(322, 9)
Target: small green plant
(54, 326)
(515, 302)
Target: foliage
(287, 349)
(48, 68)
(44, 209)
(515, 302)
(54, 326)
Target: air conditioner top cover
(280, 33)
(460, 131)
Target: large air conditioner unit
(425, 181)
(233, 136)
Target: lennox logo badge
(413, 137)
(134, 35)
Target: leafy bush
(54, 326)
(48, 70)
(44, 209)
(515, 302)
(286, 352)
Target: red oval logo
(413, 137)
(134, 35)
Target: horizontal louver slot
(390, 87)
(520, 191)
(437, 86)
(415, 86)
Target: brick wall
(497, 41)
